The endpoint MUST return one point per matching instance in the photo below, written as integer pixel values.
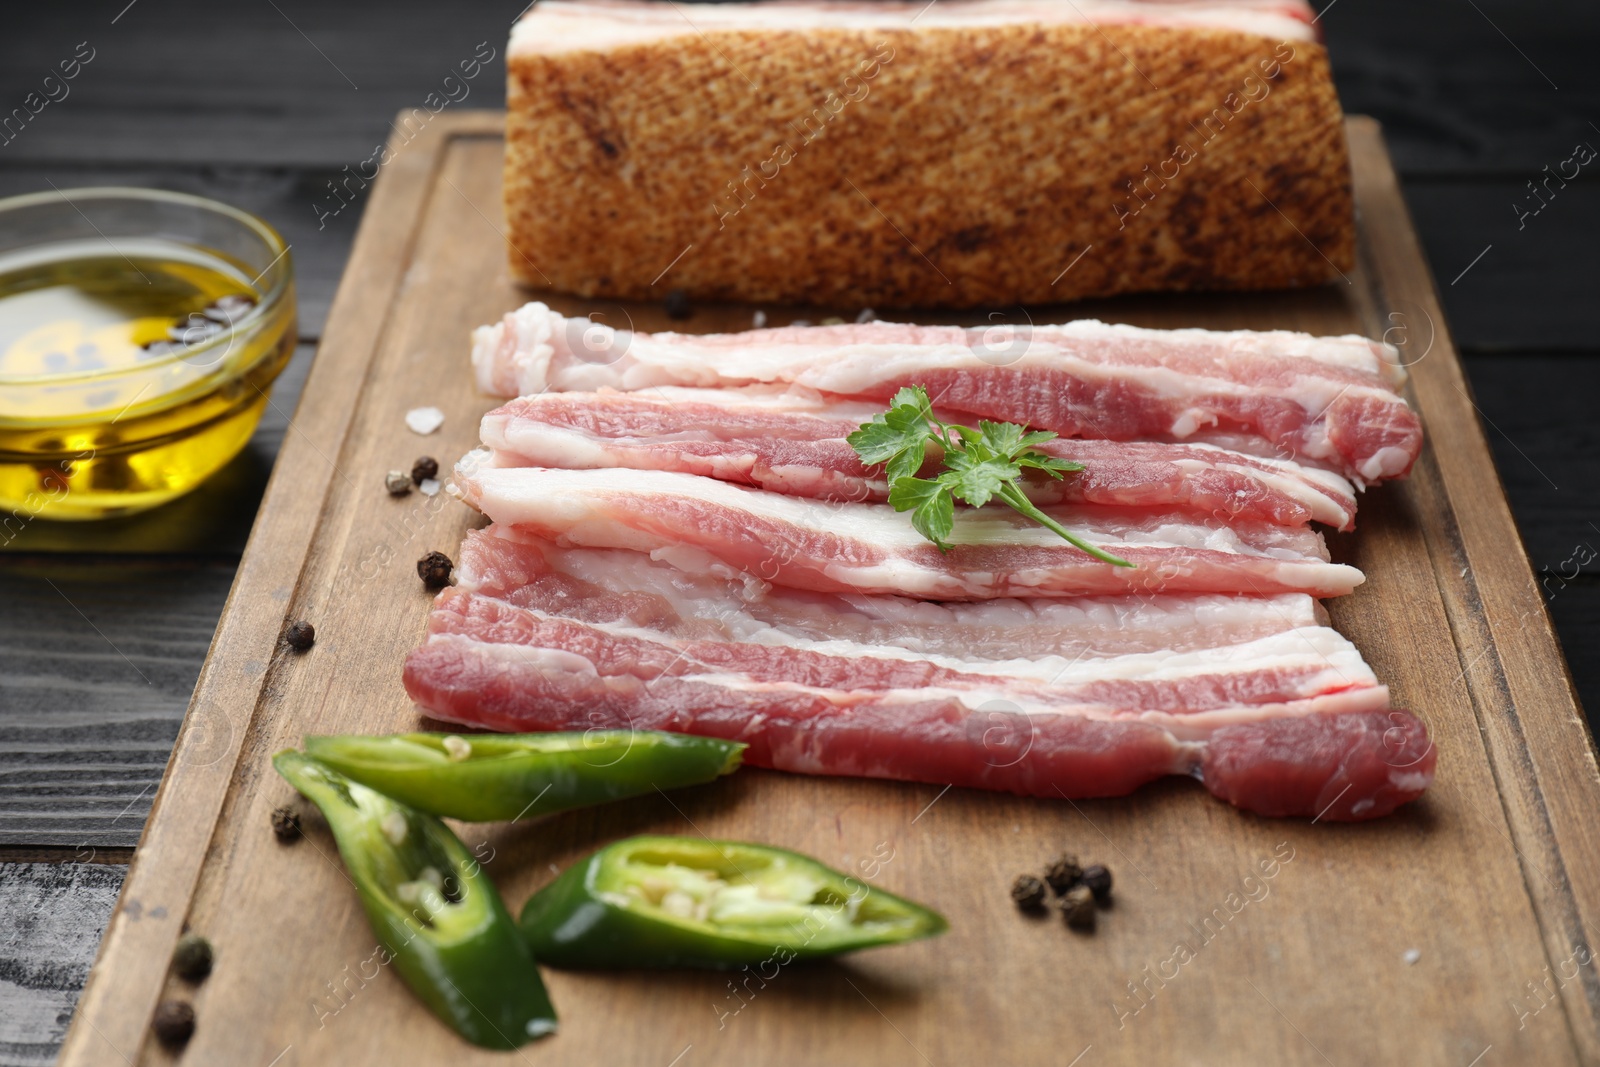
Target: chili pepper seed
(192, 959)
(434, 570)
(174, 1023)
(1064, 873)
(286, 824)
(1028, 892)
(300, 635)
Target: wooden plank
(286, 83)
(101, 658)
(1461, 88)
(1541, 749)
(51, 915)
(1280, 980)
(1510, 283)
(1575, 610)
(248, 639)
(1539, 418)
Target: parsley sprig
(980, 465)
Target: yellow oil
(111, 399)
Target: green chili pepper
(494, 777)
(690, 902)
(437, 916)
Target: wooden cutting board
(1455, 932)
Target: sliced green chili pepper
(436, 914)
(494, 777)
(689, 902)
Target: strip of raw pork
(1286, 720)
(703, 524)
(1329, 401)
(794, 443)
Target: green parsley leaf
(1001, 438)
(899, 437)
(980, 464)
(976, 478)
(1049, 464)
(933, 511)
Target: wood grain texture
(214, 730)
(1484, 87)
(1305, 967)
(1538, 414)
(100, 649)
(51, 915)
(1542, 751)
(101, 658)
(290, 83)
(1488, 259)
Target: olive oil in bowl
(134, 361)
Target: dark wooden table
(261, 103)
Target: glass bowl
(140, 331)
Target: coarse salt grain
(758, 320)
(1411, 955)
(428, 486)
(424, 420)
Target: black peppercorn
(677, 304)
(424, 468)
(300, 635)
(1098, 879)
(1077, 905)
(1064, 873)
(434, 570)
(191, 960)
(286, 824)
(174, 1023)
(1028, 892)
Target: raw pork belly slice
(702, 524)
(1324, 400)
(1301, 671)
(1336, 754)
(606, 586)
(795, 443)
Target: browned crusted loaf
(931, 165)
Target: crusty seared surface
(979, 164)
